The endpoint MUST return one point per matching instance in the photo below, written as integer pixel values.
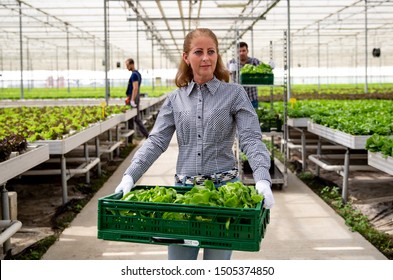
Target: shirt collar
(248, 61)
(212, 86)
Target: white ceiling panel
(152, 31)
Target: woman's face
(202, 58)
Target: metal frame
(9, 169)
(338, 25)
(343, 139)
(282, 177)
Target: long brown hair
(184, 74)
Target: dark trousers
(138, 120)
(141, 127)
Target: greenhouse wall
(165, 77)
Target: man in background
(244, 59)
(133, 93)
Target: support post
(86, 154)
(97, 140)
(64, 179)
(5, 216)
(346, 176)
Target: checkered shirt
(206, 118)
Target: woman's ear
(185, 58)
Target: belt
(200, 179)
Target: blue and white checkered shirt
(205, 119)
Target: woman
(206, 112)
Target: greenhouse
(126, 131)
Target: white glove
(232, 67)
(125, 185)
(263, 187)
(133, 104)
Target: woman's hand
(125, 185)
(263, 187)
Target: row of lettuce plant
(52, 123)
(382, 144)
(82, 92)
(355, 117)
(330, 89)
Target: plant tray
(110, 122)
(339, 137)
(298, 122)
(381, 162)
(129, 114)
(61, 147)
(257, 79)
(246, 229)
(33, 156)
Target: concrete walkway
(302, 227)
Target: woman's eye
(210, 52)
(198, 52)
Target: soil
(370, 192)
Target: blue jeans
(177, 252)
(254, 104)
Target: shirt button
(199, 117)
(199, 154)
(199, 135)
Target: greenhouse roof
(71, 33)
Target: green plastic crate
(271, 125)
(256, 79)
(245, 232)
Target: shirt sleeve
(256, 61)
(134, 77)
(129, 87)
(157, 142)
